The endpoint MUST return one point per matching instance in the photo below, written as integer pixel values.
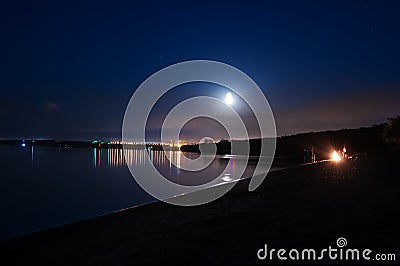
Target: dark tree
(391, 132)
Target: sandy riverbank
(301, 207)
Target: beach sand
(302, 207)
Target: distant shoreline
(98, 144)
(294, 148)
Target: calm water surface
(42, 187)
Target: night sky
(68, 69)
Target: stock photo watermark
(338, 252)
(238, 84)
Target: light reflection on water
(171, 169)
(136, 157)
(43, 187)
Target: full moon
(229, 98)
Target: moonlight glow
(228, 98)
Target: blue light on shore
(23, 144)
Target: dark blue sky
(68, 68)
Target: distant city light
(229, 98)
(336, 156)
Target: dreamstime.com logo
(330, 253)
(153, 88)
